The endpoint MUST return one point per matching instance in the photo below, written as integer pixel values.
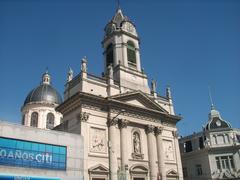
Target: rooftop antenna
(210, 96)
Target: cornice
(102, 103)
(117, 33)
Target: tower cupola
(121, 51)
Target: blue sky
(187, 44)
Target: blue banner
(15, 152)
(11, 177)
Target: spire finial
(210, 97)
(118, 4)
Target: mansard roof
(215, 121)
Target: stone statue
(84, 64)
(70, 75)
(154, 85)
(136, 143)
(110, 71)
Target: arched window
(50, 121)
(131, 54)
(109, 55)
(23, 119)
(34, 119)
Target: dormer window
(109, 55)
(131, 54)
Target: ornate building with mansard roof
(213, 153)
(129, 130)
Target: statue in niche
(136, 143)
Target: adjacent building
(213, 153)
(38, 154)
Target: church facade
(129, 130)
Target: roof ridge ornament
(118, 4)
(210, 97)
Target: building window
(50, 121)
(185, 173)
(188, 146)
(34, 119)
(23, 119)
(201, 145)
(131, 54)
(199, 170)
(109, 55)
(225, 162)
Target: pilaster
(112, 147)
(161, 165)
(178, 157)
(152, 149)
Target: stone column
(138, 60)
(178, 157)
(112, 148)
(125, 58)
(123, 135)
(124, 148)
(160, 152)
(152, 149)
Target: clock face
(129, 27)
(218, 123)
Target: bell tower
(121, 51)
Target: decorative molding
(175, 134)
(168, 150)
(98, 140)
(137, 156)
(83, 116)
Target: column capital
(158, 130)
(122, 123)
(112, 122)
(149, 129)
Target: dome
(215, 121)
(44, 93)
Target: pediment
(139, 99)
(172, 173)
(98, 169)
(139, 169)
